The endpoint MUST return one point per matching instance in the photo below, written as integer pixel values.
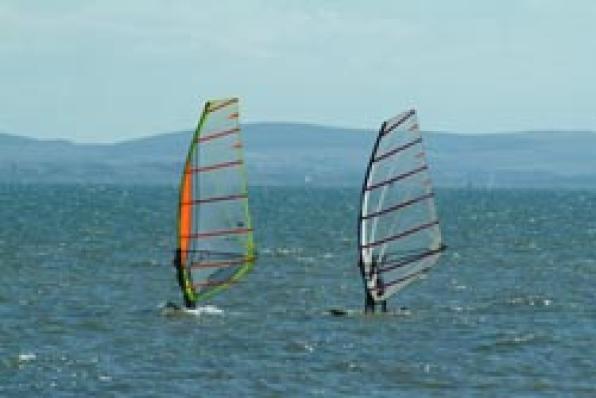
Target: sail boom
(223, 264)
(205, 252)
(212, 283)
(404, 279)
(409, 260)
(217, 233)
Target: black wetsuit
(369, 302)
(381, 287)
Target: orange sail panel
(185, 222)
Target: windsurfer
(369, 303)
(380, 285)
(183, 281)
(375, 282)
(381, 290)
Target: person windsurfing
(375, 282)
(369, 303)
(381, 290)
(184, 281)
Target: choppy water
(510, 311)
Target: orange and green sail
(215, 233)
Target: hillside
(287, 153)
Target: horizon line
(294, 123)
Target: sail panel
(400, 236)
(220, 247)
(185, 214)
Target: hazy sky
(114, 69)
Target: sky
(113, 70)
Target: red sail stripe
(216, 199)
(397, 178)
(212, 283)
(215, 166)
(399, 206)
(223, 105)
(399, 122)
(400, 235)
(413, 127)
(221, 232)
(223, 264)
(219, 134)
(398, 149)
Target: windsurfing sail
(215, 233)
(399, 233)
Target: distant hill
(290, 153)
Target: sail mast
(363, 254)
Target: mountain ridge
(292, 153)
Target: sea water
(510, 310)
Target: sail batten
(219, 134)
(217, 105)
(397, 178)
(218, 233)
(223, 264)
(218, 199)
(407, 278)
(399, 206)
(399, 122)
(401, 235)
(212, 284)
(399, 230)
(217, 166)
(394, 151)
(215, 234)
